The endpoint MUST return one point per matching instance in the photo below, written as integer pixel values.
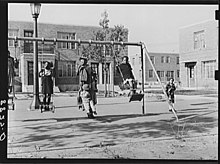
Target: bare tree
(98, 52)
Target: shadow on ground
(108, 128)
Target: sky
(155, 25)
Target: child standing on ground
(87, 101)
(170, 88)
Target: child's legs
(92, 106)
(49, 99)
(131, 83)
(86, 106)
(44, 99)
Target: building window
(95, 68)
(158, 73)
(107, 72)
(28, 45)
(73, 69)
(209, 68)
(177, 60)
(170, 74)
(199, 39)
(30, 72)
(12, 33)
(150, 73)
(68, 36)
(161, 73)
(178, 73)
(162, 59)
(152, 59)
(67, 69)
(167, 59)
(60, 70)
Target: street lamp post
(35, 10)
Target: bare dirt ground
(118, 132)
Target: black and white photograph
(112, 81)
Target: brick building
(198, 48)
(166, 65)
(64, 56)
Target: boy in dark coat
(125, 69)
(86, 76)
(170, 88)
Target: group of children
(87, 83)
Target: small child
(86, 100)
(170, 88)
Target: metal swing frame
(51, 105)
(139, 44)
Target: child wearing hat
(87, 101)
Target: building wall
(135, 61)
(188, 53)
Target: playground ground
(119, 131)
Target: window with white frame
(67, 68)
(170, 74)
(60, 70)
(160, 74)
(162, 59)
(199, 39)
(177, 60)
(68, 36)
(209, 68)
(12, 33)
(167, 59)
(150, 73)
(178, 73)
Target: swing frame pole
(75, 41)
(142, 68)
(155, 72)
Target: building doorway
(190, 74)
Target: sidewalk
(118, 122)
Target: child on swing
(127, 73)
(47, 83)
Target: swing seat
(136, 97)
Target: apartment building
(166, 64)
(198, 48)
(64, 56)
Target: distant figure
(87, 76)
(125, 69)
(170, 88)
(46, 75)
(12, 63)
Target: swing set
(112, 43)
